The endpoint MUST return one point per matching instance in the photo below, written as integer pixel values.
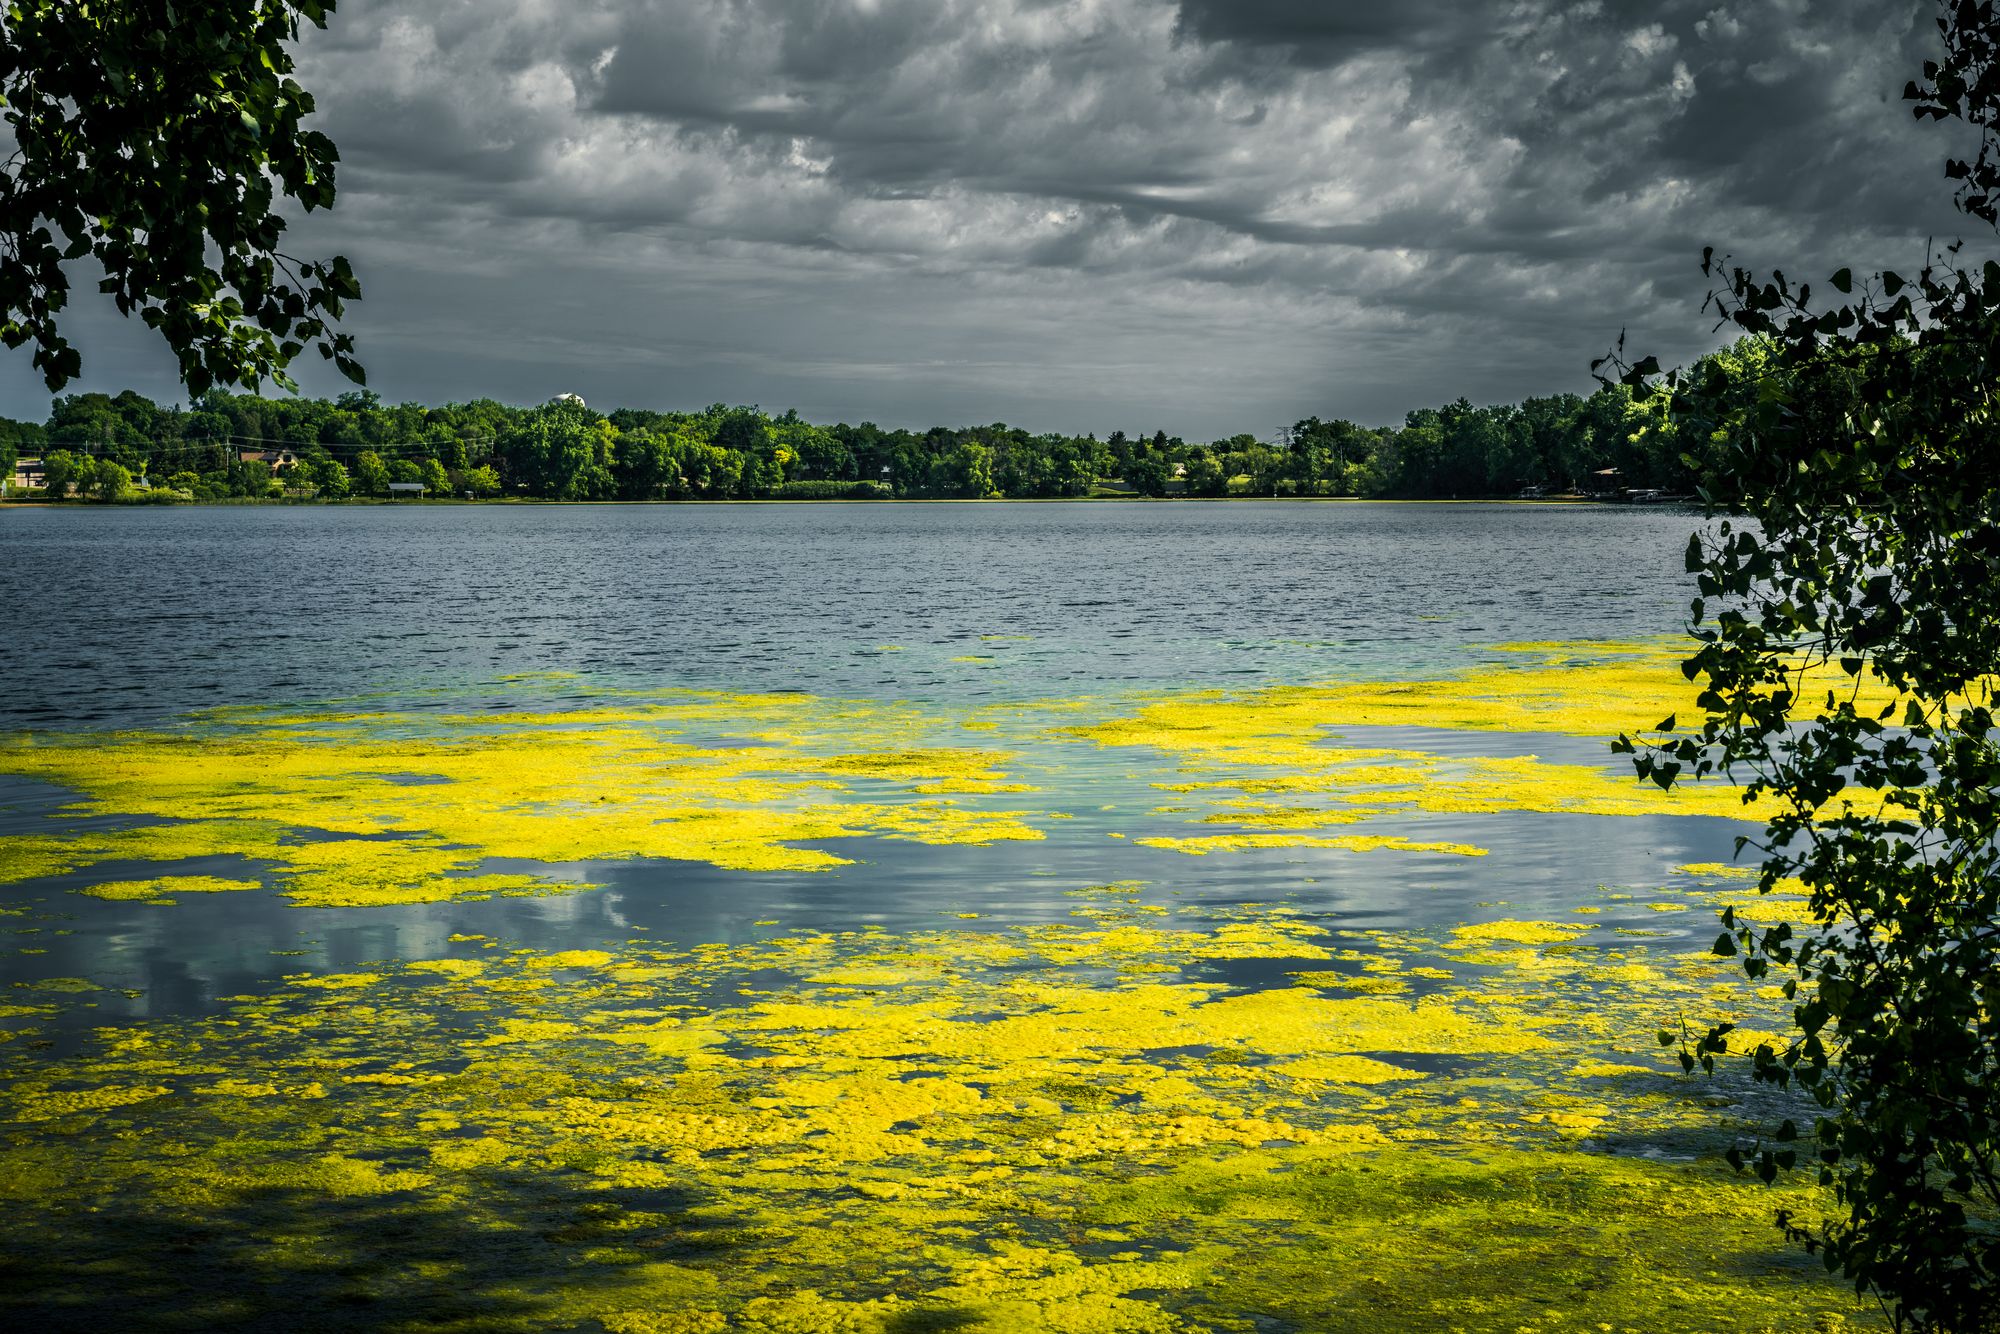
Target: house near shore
(1604, 482)
(277, 460)
(414, 490)
(29, 475)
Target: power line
(226, 441)
(420, 445)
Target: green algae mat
(1264, 1011)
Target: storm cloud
(1210, 215)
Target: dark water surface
(127, 615)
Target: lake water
(718, 880)
(133, 618)
(128, 615)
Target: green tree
(561, 450)
(1150, 472)
(445, 445)
(741, 430)
(716, 473)
(330, 479)
(18, 439)
(154, 138)
(109, 481)
(1412, 461)
(1073, 466)
(1558, 440)
(1204, 475)
(1026, 470)
(481, 481)
(966, 471)
(815, 452)
(101, 426)
(247, 477)
(61, 470)
(761, 475)
(648, 464)
(432, 474)
(1864, 458)
(371, 474)
(1321, 452)
(909, 468)
(1264, 466)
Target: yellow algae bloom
(1091, 1125)
(158, 889)
(1595, 1069)
(1522, 933)
(33, 1104)
(571, 959)
(337, 981)
(937, 1129)
(1280, 741)
(1592, 691)
(31, 856)
(355, 810)
(448, 967)
(1767, 910)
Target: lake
(871, 916)
(135, 614)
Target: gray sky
(1206, 215)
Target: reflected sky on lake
(125, 615)
(137, 616)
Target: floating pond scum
(1251, 1012)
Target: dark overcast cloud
(1212, 215)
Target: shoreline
(376, 501)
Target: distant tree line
(97, 446)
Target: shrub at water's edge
(1866, 459)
